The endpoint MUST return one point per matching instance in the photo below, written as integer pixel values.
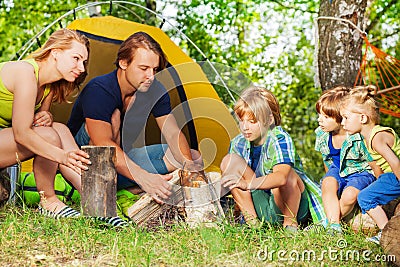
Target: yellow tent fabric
(211, 125)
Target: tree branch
(279, 2)
(379, 15)
(378, 38)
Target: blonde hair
(330, 101)
(62, 39)
(361, 99)
(259, 104)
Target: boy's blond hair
(330, 101)
(259, 104)
(361, 99)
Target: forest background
(271, 42)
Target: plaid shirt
(354, 156)
(279, 148)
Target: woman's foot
(51, 204)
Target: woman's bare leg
(45, 171)
(9, 148)
(68, 144)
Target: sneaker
(334, 229)
(375, 239)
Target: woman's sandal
(113, 221)
(65, 212)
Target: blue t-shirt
(255, 153)
(102, 95)
(334, 152)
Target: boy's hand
(231, 181)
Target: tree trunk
(340, 44)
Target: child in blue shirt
(361, 115)
(345, 159)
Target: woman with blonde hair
(27, 89)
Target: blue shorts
(359, 180)
(380, 192)
(149, 158)
(82, 137)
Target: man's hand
(156, 185)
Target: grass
(29, 239)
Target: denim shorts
(359, 180)
(82, 137)
(149, 158)
(380, 192)
(268, 211)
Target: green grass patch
(29, 239)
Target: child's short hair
(330, 101)
(361, 99)
(258, 103)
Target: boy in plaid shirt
(263, 170)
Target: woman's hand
(43, 118)
(76, 160)
(232, 181)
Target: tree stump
(146, 209)
(201, 203)
(99, 182)
(392, 208)
(390, 240)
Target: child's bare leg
(379, 216)
(287, 198)
(348, 200)
(330, 200)
(234, 165)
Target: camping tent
(205, 120)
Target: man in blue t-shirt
(129, 94)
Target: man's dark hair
(137, 40)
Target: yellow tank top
(378, 157)
(6, 97)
